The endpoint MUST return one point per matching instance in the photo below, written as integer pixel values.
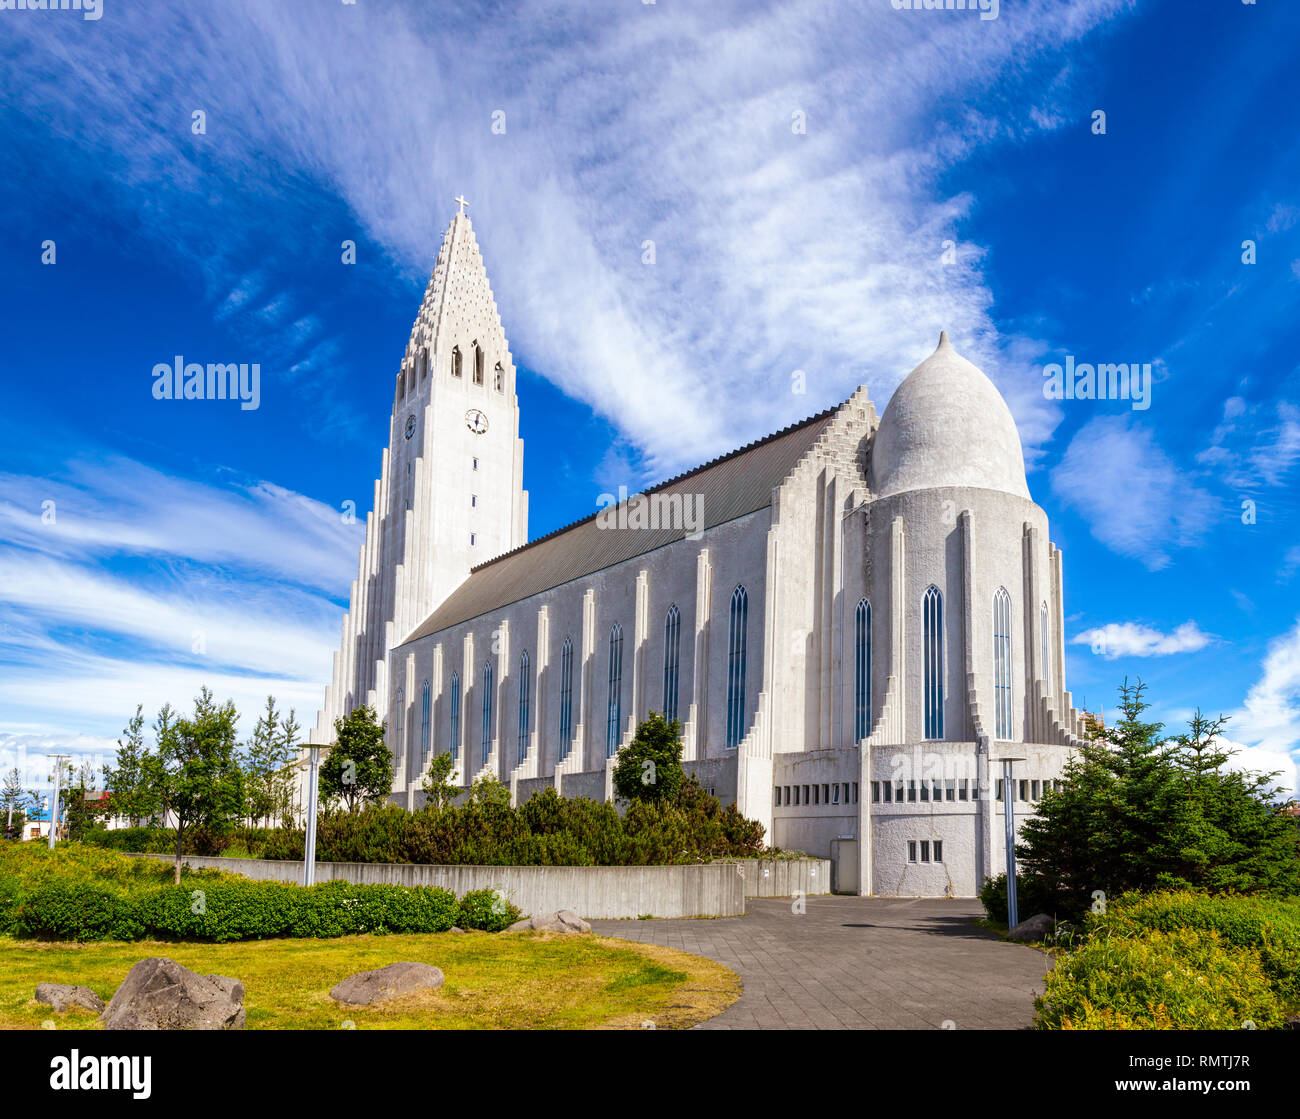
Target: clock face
(410, 426)
(476, 421)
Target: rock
(455, 929)
(159, 994)
(387, 983)
(562, 920)
(1033, 928)
(63, 995)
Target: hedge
(43, 896)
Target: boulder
(1034, 928)
(562, 920)
(159, 994)
(455, 928)
(63, 995)
(387, 983)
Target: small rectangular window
(796, 794)
(476, 464)
(889, 791)
(816, 795)
(938, 850)
(911, 792)
(1001, 790)
(846, 793)
(898, 792)
(962, 791)
(1034, 789)
(937, 791)
(806, 799)
(473, 500)
(925, 790)
(950, 790)
(974, 790)
(826, 794)
(855, 792)
(925, 850)
(911, 850)
(1024, 790)
(473, 539)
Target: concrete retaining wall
(781, 878)
(710, 890)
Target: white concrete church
(867, 619)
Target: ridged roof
(732, 486)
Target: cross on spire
(462, 202)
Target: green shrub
(1185, 980)
(1031, 898)
(487, 910)
(1269, 925)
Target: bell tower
(450, 490)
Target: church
(856, 619)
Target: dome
(947, 425)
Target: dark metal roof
(732, 486)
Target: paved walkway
(860, 964)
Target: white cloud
(1270, 716)
(1130, 639)
(1135, 499)
(775, 250)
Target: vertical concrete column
(1058, 633)
(966, 526)
(826, 613)
(541, 765)
(640, 627)
(469, 692)
(585, 698)
(1032, 630)
(698, 712)
(503, 675)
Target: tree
(268, 782)
(1139, 811)
(488, 792)
(439, 788)
(359, 768)
(133, 796)
(649, 767)
(195, 771)
(15, 802)
(80, 809)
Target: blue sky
(798, 167)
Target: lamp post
(1008, 800)
(309, 852)
(54, 805)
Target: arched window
(861, 671)
(478, 364)
(1002, 663)
(499, 378)
(672, 660)
(932, 609)
(424, 724)
(614, 717)
(456, 370)
(487, 709)
(1047, 645)
(399, 724)
(566, 698)
(525, 692)
(454, 736)
(736, 650)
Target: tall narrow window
(525, 692)
(736, 649)
(1047, 657)
(861, 671)
(487, 710)
(399, 725)
(932, 611)
(456, 369)
(401, 383)
(454, 730)
(1002, 663)
(478, 364)
(499, 378)
(424, 363)
(425, 706)
(614, 717)
(672, 660)
(566, 698)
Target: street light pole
(54, 805)
(309, 852)
(1008, 799)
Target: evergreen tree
(1139, 812)
(132, 794)
(268, 780)
(649, 768)
(359, 768)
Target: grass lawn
(524, 980)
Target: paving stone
(859, 963)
